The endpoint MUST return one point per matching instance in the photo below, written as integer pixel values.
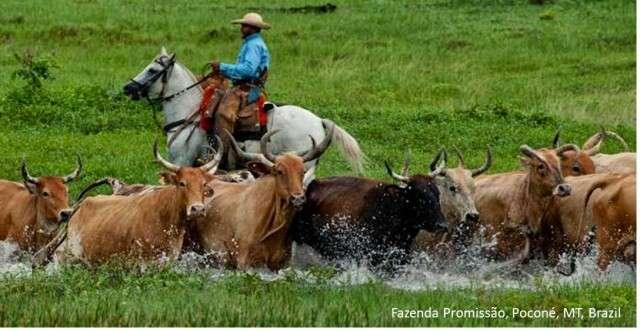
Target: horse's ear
(163, 51)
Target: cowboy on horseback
(248, 76)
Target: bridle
(164, 74)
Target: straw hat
(252, 19)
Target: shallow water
(422, 273)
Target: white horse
(169, 82)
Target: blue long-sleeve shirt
(252, 60)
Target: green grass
(112, 297)
(397, 75)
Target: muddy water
(422, 274)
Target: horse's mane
(191, 75)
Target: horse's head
(152, 80)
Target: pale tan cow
(247, 224)
(512, 205)
(31, 211)
(456, 187)
(146, 226)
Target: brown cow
(147, 226)
(568, 222)
(614, 214)
(247, 224)
(456, 187)
(512, 205)
(590, 160)
(30, 212)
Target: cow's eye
(45, 194)
(183, 184)
(452, 189)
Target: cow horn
(168, 165)
(622, 141)
(316, 151)
(593, 144)
(460, 157)
(439, 163)
(245, 155)
(567, 147)
(263, 146)
(212, 165)
(556, 139)
(405, 164)
(487, 164)
(394, 175)
(530, 153)
(76, 172)
(25, 174)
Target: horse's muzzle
(132, 90)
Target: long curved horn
(441, 154)
(245, 155)
(530, 153)
(168, 165)
(76, 172)
(567, 147)
(263, 146)
(622, 141)
(487, 164)
(316, 151)
(25, 174)
(556, 139)
(593, 144)
(394, 175)
(460, 157)
(405, 164)
(212, 165)
(441, 166)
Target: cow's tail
(348, 146)
(44, 255)
(104, 181)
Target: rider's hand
(215, 66)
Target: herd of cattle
(249, 219)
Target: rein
(164, 73)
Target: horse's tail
(349, 147)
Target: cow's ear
(32, 188)
(168, 178)
(259, 169)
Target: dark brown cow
(367, 220)
(147, 226)
(247, 224)
(30, 212)
(512, 205)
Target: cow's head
(573, 160)
(544, 171)
(456, 186)
(421, 195)
(52, 196)
(191, 183)
(287, 168)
